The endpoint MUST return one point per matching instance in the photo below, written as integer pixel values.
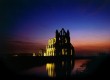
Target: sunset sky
(28, 24)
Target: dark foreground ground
(91, 73)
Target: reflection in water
(54, 69)
(50, 67)
(78, 65)
(61, 68)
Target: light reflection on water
(78, 64)
(62, 68)
(50, 67)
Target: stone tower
(63, 45)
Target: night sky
(26, 25)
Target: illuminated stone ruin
(60, 44)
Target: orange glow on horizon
(91, 46)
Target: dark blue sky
(37, 20)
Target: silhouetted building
(60, 45)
